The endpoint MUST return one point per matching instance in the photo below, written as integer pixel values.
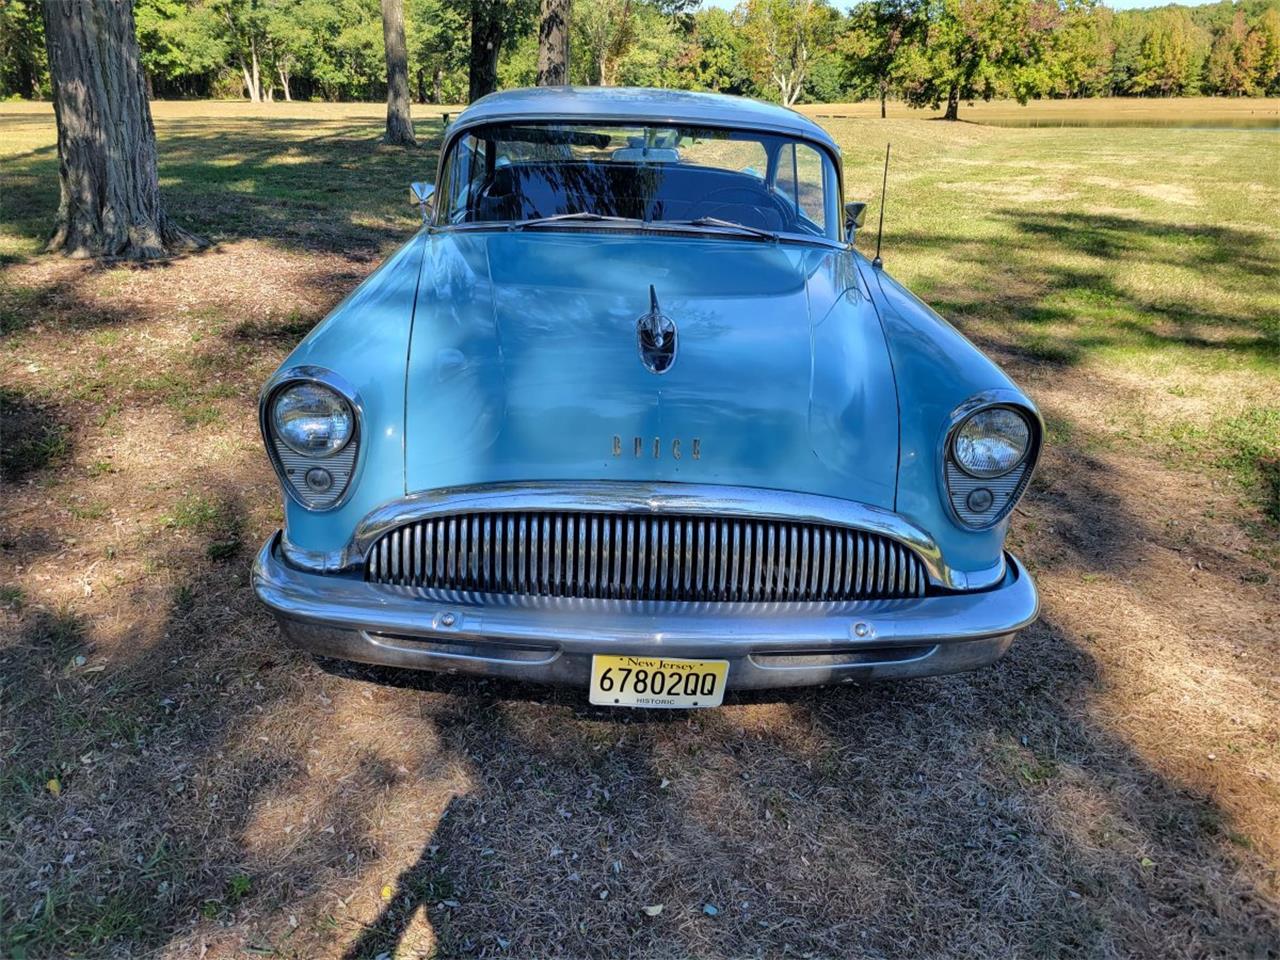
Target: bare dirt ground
(174, 782)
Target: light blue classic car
(629, 412)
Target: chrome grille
(645, 557)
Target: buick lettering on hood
(629, 412)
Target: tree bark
(284, 83)
(437, 85)
(953, 104)
(553, 44)
(110, 191)
(399, 123)
(486, 42)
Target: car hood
(524, 364)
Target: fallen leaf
(54, 786)
(653, 911)
(386, 892)
(1147, 862)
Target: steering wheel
(761, 199)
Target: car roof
(641, 104)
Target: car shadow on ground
(885, 821)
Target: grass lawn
(175, 782)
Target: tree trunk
(612, 60)
(884, 95)
(553, 44)
(284, 83)
(399, 123)
(257, 73)
(110, 192)
(486, 41)
(249, 87)
(437, 85)
(953, 104)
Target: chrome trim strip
(640, 498)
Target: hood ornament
(656, 337)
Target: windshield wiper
(720, 224)
(581, 217)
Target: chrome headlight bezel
(958, 430)
(280, 429)
(292, 464)
(1006, 488)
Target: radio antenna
(884, 184)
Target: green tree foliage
(1234, 60)
(1171, 55)
(967, 50)
(878, 31)
(783, 39)
(714, 57)
(24, 68)
(1269, 58)
(926, 52)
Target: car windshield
(605, 174)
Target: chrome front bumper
(552, 640)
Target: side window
(465, 176)
(802, 182)
(810, 185)
(786, 180)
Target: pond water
(1269, 124)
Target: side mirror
(422, 194)
(855, 214)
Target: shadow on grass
(988, 814)
(1058, 314)
(304, 184)
(930, 818)
(984, 815)
(33, 435)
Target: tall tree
(553, 43)
(964, 51)
(605, 30)
(1234, 59)
(783, 37)
(487, 31)
(1268, 30)
(1171, 55)
(878, 32)
(110, 191)
(399, 124)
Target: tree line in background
(926, 52)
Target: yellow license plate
(657, 682)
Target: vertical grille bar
(646, 557)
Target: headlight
(312, 420)
(992, 442)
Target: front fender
(937, 371)
(365, 338)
